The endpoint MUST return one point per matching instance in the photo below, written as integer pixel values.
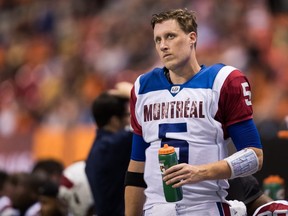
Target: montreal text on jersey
(173, 109)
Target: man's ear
(193, 38)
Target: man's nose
(163, 45)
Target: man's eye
(157, 40)
(171, 36)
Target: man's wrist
(243, 163)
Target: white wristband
(243, 163)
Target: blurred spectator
(108, 159)
(48, 169)
(3, 178)
(22, 190)
(50, 204)
(75, 190)
(247, 190)
(57, 56)
(273, 207)
(6, 208)
(73, 50)
(48, 172)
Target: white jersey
(193, 118)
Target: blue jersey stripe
(138, 151)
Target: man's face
(126, 118)
(52, 206)
(173, 45)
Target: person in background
(75, 190)
(51, 204)
(6, 208)
(197, 109)
(22, 189)
(276, 207)
(48, 172)
(48, 169)
(109, 156)
(247, 190)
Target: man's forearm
(134, 200)
(222, 170)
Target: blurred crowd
(57, 56)
(48, 189)
(20, 191)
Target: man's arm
(248, 190)
(134, 195)
(181, 174)
(263, 199)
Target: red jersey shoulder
(235, 80)
(235, 99)
(238, 86)
(133, 120)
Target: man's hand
(183, 173)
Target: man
(6, 189)
(109, 156)
(75, 190)
(277, 207)
(247, 190)
(196, 109)
(22, 189)
(48, 169)
(48, 172)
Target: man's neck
(184, 76)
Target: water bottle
(274, 187)
(168, 158)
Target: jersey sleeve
(138, 144)
(235, 100)
(138, 148)
(137, 129)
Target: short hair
(50, 166)
(106, 105)
(29, 181)
(186, 19)
(3, 178)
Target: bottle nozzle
(166, 149)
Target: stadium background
(57, 56)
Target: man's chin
(169, 65)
